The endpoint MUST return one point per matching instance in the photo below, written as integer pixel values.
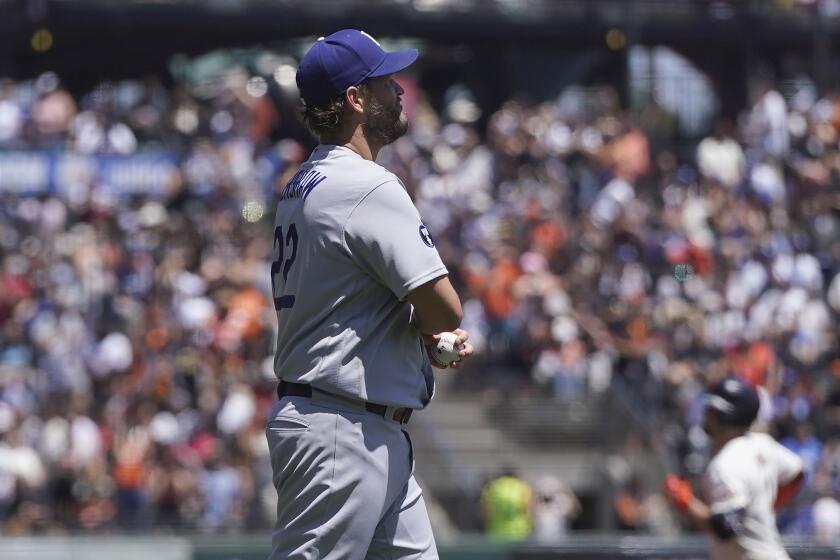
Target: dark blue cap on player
(345, 58)
(736, 401)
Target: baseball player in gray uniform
(361, 296)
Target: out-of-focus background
(633, 197)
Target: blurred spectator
(53, 111)
(11, 115)
(826, 519)
(555, 508)
(628, 507)
(766, 123)
(720, 157)
(566, 370)
(220, 487)
(507, 504)
(805, 444)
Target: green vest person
(508, 505)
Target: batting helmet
(736, 402)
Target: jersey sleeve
(788, 463)
(385, 236)
(727, 492)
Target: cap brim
(395, 62)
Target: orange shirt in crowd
(548, 237)
(753, 363)
(496, 287)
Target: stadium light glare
(257, 86)
(616, 39)
(253, 211)
(284, 75)
(42, 40)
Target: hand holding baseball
(448, 349)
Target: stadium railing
(257, 547)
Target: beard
(384, 124)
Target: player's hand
(678, 492)
(465, 349)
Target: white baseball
(445, 351)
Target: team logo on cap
(426, 236)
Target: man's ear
(354, 98)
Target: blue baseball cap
(344, 59)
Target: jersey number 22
(283, 264)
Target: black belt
(286, 389)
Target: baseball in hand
(446, 351)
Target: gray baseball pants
(345, 483)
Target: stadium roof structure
(114, 37)
(553, 20)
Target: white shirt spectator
(113, 354)
(722, 160)
(833, 295)
(86, 441)
(611, 201)
(768, 124)
(556, 505)
(237, 411)
(826, 515)
(22, 463)
(11, 120)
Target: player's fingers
(467, 350)
(462, 335)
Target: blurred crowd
(136, 340)
(588, 242)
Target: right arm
(385, 236)
(437, 307)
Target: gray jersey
(349, 246)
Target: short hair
(326, 117)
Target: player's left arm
(724, 524)
(680, 494)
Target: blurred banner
(95, 548)
(68, 175)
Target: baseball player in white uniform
(361, 296)
(749, 477)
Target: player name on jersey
(302, 184)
